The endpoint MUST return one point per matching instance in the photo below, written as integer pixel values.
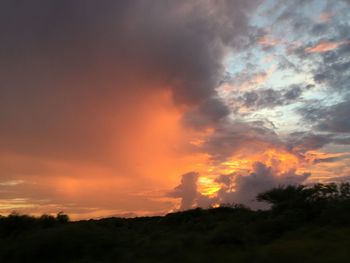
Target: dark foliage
(304, 224)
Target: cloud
(186, 190)
(84, 66)
(333, 70)
(262, 178)
(328, 119)
(270, 98)
(266, 98)
(100, 100)
(320, 29)
(332, 159)
(334, 118)
(285, 64)
(269, 42)
(325, 46)
(308, 146)
(325, 17)
(102, 90)
(236, 188)
(208, 114)
(245, 80)
(302, 142)
(232, 137)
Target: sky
(137, 108)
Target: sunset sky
(125, 108)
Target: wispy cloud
(326, 46)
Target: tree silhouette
(304, 224)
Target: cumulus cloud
(237, 188)
(186, 190)
(262, 178)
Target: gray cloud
(320, 29)
(285, 64)
(267, 98)
(334, 71)
(209, 113)
(231, 137)
(328, 119)
(186, 190)
(301, 142)
(329, 68)
(335, 118)
(332, 159)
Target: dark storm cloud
(69, 68)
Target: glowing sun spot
(207, 186)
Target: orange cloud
(325, 46)
(269, 41)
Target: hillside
(304, 224)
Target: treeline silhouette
(303, 224)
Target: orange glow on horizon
(279, 161)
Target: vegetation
(304, 224)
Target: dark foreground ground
(303, 225)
